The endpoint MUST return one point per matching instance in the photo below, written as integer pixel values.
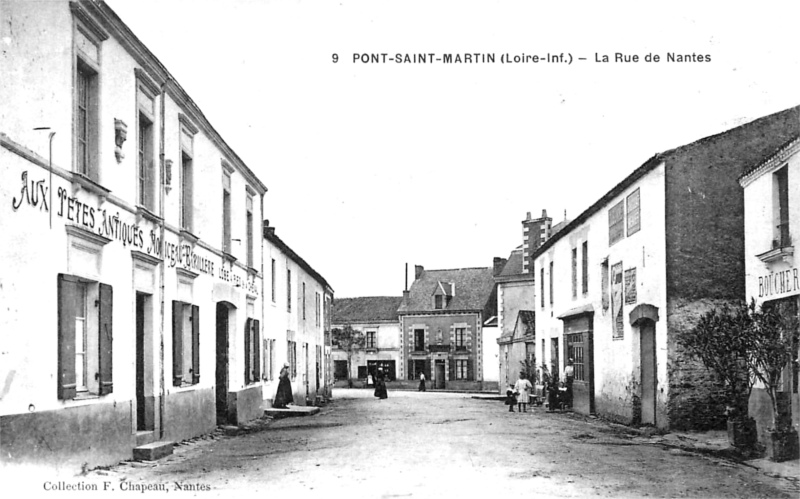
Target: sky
(372, 166)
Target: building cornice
(772, 163)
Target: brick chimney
(534, 233)
(268, 229)
(498, 264)
(418, 270)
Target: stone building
(772, 274)
(516, 318)
(376, 317)
(441, 318)
(643, 261)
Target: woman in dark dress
(283, 397)
(380, 385)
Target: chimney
(406, 296)
(405, 288)
(544, 213)
(529, 216)
(418, 270)
(268, 229)
(498, 264)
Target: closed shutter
(195, 344)
(452, 375)
(256, 352)
(106, 339)
(411, 372)
(177, 343)
(470, 371)
(67, 296)
(248, 337)
(428, 369)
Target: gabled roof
(514, 264)
(445, 287)
(474, 287)
(765, 136)
(366, 309)
(523, 326)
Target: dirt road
(439, 445)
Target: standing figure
(421, 382)
(523, 388)
(370, 381)
(511, 399)
(569, 376)
(380, 385)
(283, 396)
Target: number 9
(335, 58)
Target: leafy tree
(774, 346)
(722, 340)
(350, 341)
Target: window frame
(419, 339)
(87, 45)
(461, 338)
(633, 216)
(616, 223)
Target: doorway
(647, 355)
(555, 364)
(221, 370)
(145, 407)
(439, 366)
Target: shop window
(634, 217)
(251, 352)
(84, 338)
(461, 369)
(185, 344)
(616, 223)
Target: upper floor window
(304, 301)
(145, 165)
(226, 210)
(461, 338)
(370, 339)
(288, 290)
(438, 302)
(419, 340)
(634, 218)
(187, 134)
(273, 280)
(616, 223)
(552, 277)
(781, 232)
(318, 310)
(574, 272)
(541, 284)
(585, 267)
(249, 228)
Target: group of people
(520, 393)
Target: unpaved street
(441, 445)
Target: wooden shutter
(256, 350)
(428, 369)
(452, 375)
(248, 337)
(195, 344)
(470, 371)
(411, 369)
(67, 295)
(177, 343)
(106, 339)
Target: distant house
(441, 318)
(516, 318)
(376, 317)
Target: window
(317, 310)
(370, 339)
(86, 97)
(84, 338)
(249, 229)
(575, 347)
(634, 217)
(251, 351)
(782, 237)
(419, 340)
(541, 284)
(461, 369)
(585, 267)
(186, 139)
(185, 344)
(186, 192)
(616, 300)
(340, 369)
(268, 372)
(304, 301)
(551, 283)
(461, 338)
(288, 290)
(604, 292)
(273, 280)
(146, 91)
(616, 220)
(226, 212)
(438, 301)
(292, 357)
(574, 272)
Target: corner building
(133, 279)
(643, 262)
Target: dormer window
(442, 295)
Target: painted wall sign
(779, 283)
(34, 193)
